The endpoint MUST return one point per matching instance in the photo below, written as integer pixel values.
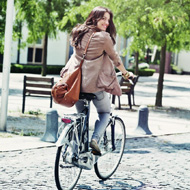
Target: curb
(20, 143)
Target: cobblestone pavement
(161, 162)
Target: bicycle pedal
(96, 153)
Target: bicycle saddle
(87, 96)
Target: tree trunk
(161, 77)
(19, 43)
(136, 63)
(44, 65)
(18, 51)
(168, 62)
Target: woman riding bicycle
(99, 24)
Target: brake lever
(130, 81)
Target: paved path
(148, 163)
(156, 162)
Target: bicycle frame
(82, 140)
(85, 128)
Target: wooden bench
(37, 87)
(128, 89)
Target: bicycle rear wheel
(66, 175)
(112, 146)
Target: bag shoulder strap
(84, 54)
(86, 48)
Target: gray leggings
(103, 106)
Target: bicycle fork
(113, 133)
(112, 124)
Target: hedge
(144, 72)
(36, 69)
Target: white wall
(184, 61)
(23, 52)
(14, 51)
(57, 49)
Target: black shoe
(95, 148)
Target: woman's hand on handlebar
(128, 75)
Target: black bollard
(50, 134)
(142, 127)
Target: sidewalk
(173, 117)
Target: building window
(38, 57)
(30, 55)
(35, 53)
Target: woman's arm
(126, 74)
(109, 49)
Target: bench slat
(38, 92)
(38, 79)
(126, 90)
(125, 84)
(33, 86)
(38, 85)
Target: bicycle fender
(62, 138)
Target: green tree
(171, 28)
(42, 19)
(164, 23)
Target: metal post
(6, 64)
(142, 127)
(50, 134)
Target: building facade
(58, 50)
(182, 61)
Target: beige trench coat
(98, 72)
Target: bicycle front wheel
(112, 146)
(66, 175)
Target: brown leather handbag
(66, 91)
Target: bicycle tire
(66, 175)
(110, 159)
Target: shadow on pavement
(159, 143)
(172, 112)
(116, 183)
(177, 88)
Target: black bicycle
(74, 153)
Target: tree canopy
(41, 17)
(149, 22)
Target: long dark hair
(91, 23)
